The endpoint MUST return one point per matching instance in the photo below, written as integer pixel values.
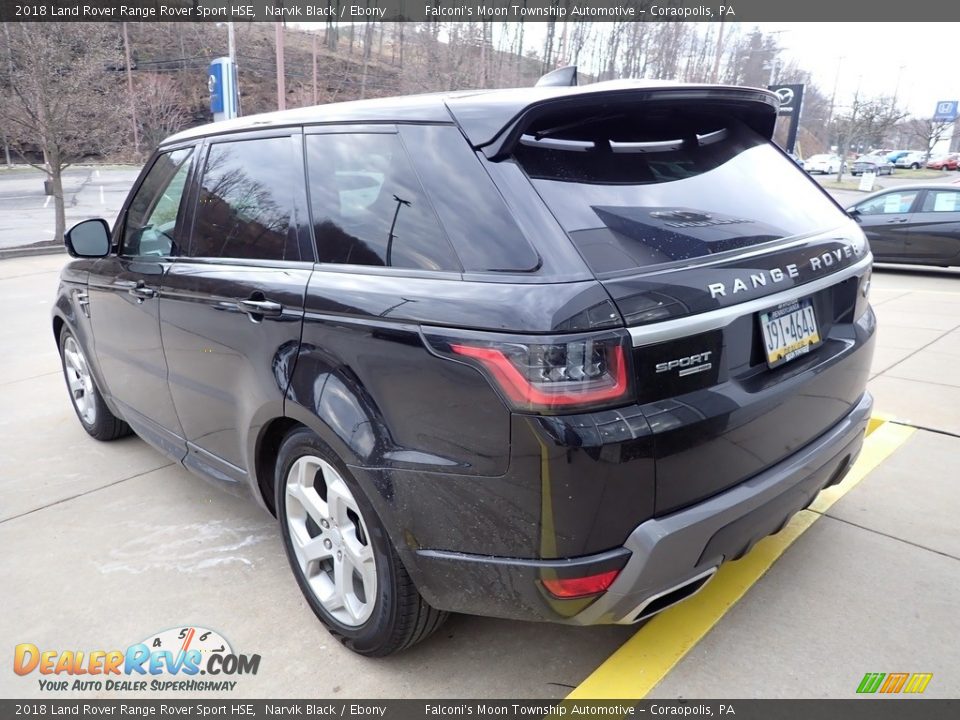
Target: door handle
(263, 308)
(142, 292)
(896, 220)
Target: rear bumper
(664, 559)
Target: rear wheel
(88, 403)
(340, 553)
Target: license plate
(789, 331)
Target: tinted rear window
(635, 190)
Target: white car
(822, 164)
(912, 160)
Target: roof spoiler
(495, 128)
(563, 77)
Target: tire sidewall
(378, 628)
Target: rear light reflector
(567, 588)
(553, 376)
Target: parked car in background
(916, 224)
(913, 160)
(822, 164)
(516, 353)
(896, 155)
(877, 164)
(945, 162)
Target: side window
(941, 201)
(893, 203)
(247, 201)
(478, 222)
(151, 223)
(368, 205)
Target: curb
(31, 250)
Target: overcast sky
(922, 56)
(926, 52)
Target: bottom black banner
(854, 709)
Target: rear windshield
(640, 189)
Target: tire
(329, 527)
(85, 396)
(915, 166)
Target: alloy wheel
(79, 381)
(330, 540)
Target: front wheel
(88, 403)
(340, 553)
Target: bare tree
(60, 96)
(162, 108)
(928, 132)
(865, 119)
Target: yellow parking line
(643, 661)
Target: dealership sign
(791, 103)
(946, 111)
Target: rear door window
(247, 204)
(635, 189)
(368, 205)
(941, 201)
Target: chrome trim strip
(714, 319)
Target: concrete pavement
(106, 544)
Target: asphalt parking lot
(106, 544)
(89, 191)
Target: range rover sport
(548, 354)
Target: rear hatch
(737, 275)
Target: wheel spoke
(361, 558)
(308, 499)
(339, 501)
(341, 576)
(310, 549)
(76, 383)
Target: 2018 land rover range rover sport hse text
(550, 354)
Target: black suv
(551, 353)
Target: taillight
(580, 587)
(556, 376)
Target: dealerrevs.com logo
(169, 661)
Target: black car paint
(451, 471)
(913, 237)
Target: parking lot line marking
(645, 659)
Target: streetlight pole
(836, 84)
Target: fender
(68, 309)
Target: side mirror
(854, 213)
(88, 239)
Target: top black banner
(352, 11)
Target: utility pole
(281, 82)
(133, 102)
(314, 38)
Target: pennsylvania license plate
(789, 331)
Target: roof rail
(563, 77)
